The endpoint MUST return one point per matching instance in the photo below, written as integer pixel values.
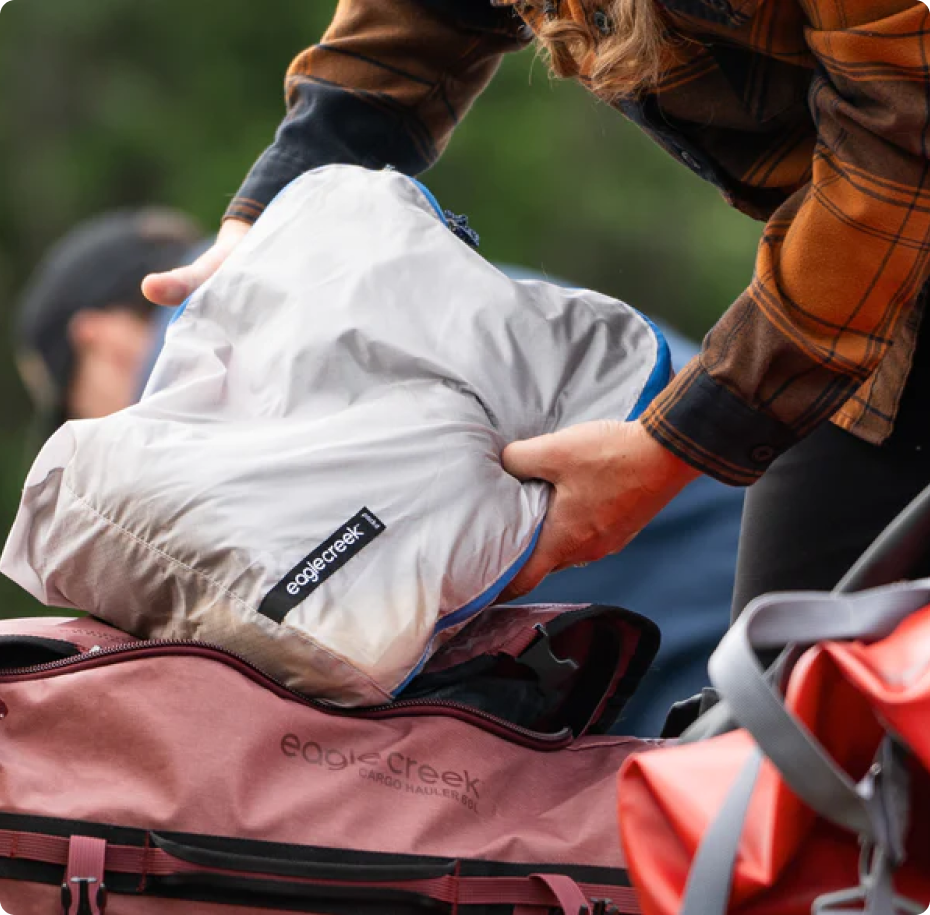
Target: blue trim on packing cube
(473, 607)
(659, 377)
(434, 203)
(179, 310)
(491, 594)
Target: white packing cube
(312, 478)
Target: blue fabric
(661, 374)
(160, 323)
(473, 607)
(163, 318)
(679, 572)
(431, 197)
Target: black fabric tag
(314, 569)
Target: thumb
(532, 459)
(174, 286)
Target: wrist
(232, 230)
(233, 225)
(712, 428)
(668, 466)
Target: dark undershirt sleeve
(386, 85)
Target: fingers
(555, 549)
(535, 570)
(539, 459)
(174, 286)
(610, 480)
(554, 552)
(533, 459)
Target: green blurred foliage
(115, 102)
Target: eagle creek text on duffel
(397, 769)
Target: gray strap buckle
(885, 789)
(873, 896)
(552, 673)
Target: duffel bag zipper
(485, 720)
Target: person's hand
(609, 480)
(174, 286)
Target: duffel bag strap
(196, 868)
(83, 889)
(567, 893)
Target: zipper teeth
(127, 647)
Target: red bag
(822, 802)
(143, 777)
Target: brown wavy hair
(622, 55)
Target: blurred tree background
(108, 103)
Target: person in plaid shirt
(813, 115)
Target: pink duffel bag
(172, 777)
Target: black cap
(98, 265)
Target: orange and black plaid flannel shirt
(811, 114)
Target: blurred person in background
(813, 115)
(84, 333)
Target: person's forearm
(385, 86)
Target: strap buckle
(83, 886)
(552, 672)
(83, 883)
(885, 790)
(872, 894)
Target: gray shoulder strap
(806, 618)
(876, 808)
(711, 877)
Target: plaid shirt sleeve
(841, 262)
(386, 85)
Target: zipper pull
(552, 673)
(462, 230)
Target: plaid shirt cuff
(715, 431)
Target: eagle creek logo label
(406, 775)
(314, 569)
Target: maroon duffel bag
(172, 777)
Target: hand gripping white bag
(312, 478)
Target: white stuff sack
(312, 478)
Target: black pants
(823, 502)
